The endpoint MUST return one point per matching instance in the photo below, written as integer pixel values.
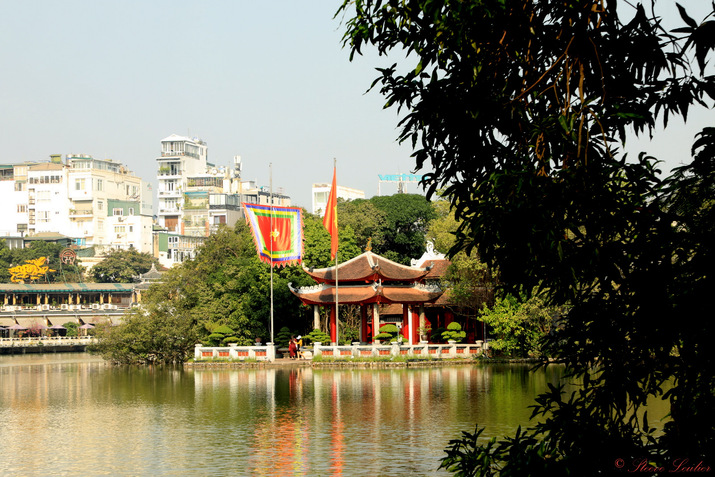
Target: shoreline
(284, 363)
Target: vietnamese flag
(330, 220)
(277, 233)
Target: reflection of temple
(370, 281)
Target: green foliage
(443, 227)
(223, 329)
(72, 328)
(518, 109)
(317, 336)
(225, 284)
(365, 219)
(122, 266)
(154, 335)
(520, 325)
(317, 242)
(348, 334)
(13, 257)
(454, 332)
(471, 283)
(407, 217)
(283, 337)
(387, 333)
(214, 339)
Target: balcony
(74, 213)
(169, 193)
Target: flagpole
(337, 257)
(270, 240)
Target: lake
(71, 414)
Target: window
(131, 228)
(79, 184)
(119, 229)
(21, 208)
(100, 185)
(131, 210)
(19, 186)
(43, 216)
(100, 226)
(100, 205)
(117, 211)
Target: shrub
(454, 332)
(214, 339)
(224, 330)
(317, 336)
(388, 332)
(283, 337)
(230, 339)
(71, 328)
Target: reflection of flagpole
(270, 240)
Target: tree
(317, 241)
(403, 231)
(122, 266)
(225, 284)
(519, 109)
(14, 257)
(156, 335)
(519, 325)
(365, 219)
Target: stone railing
(235, 353)
(46, 341)
(424, 350)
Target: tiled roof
(368, 267)
(324, 294)
(438, 270)
(66, 287)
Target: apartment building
(196, 196)
(90, 200)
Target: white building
(181, 158)
(195, 196)
(78, 199)
(321, 192)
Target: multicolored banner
(277, 232)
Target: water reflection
(73, 415)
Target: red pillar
(415, 325)
(333, 325)
(363, 323)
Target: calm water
(70, 414)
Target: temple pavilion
(372, 282)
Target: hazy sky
(265, 80)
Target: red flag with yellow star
(277, 233)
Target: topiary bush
(214, 339)
(317, 336)
(387, 333)
(230, 339)
(454, 332)
(283, 337)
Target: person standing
(292, 347)
(299, 347)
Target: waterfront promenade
(44, 344)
